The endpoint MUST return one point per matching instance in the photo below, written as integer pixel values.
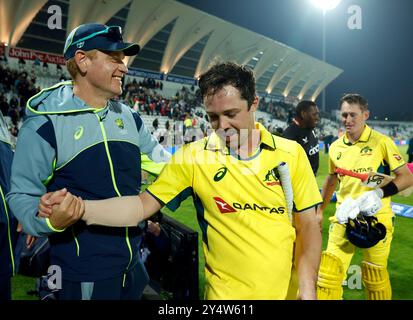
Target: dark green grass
(400, 261)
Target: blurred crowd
(184, 109)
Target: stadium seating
(52, 75)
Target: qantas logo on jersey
(363, 170)
(224, 207)
(256, 207)
(397, 157)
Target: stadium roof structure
(175, 39)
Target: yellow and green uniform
(372, 152)
(248, 235)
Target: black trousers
(129, 287)
(5, 288)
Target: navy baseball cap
(97, 36)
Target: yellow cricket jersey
(372, 152)
(247, 233)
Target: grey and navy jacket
(8, 223)
(95, 154)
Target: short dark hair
(228, 73)
(354, 98)
(304, 106)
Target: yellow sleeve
(392, 154)
(305, 188)
(150, 166)
(331, 165)
(174, 184)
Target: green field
(400, 261)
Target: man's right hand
(70, 210)
(48, 200)
(349, 209)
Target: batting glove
(370, 202)
(349, 209)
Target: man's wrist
(389, 189)
(308, 293)
(49, 224)
(379, 192)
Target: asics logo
(78, 133)
(220, 174)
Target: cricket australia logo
(366, 151)
(271, 178)
(119, 123)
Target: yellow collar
(214, 143)
(365, 136)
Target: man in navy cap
(78, 137)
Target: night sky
(377, 60)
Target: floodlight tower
(325, 5)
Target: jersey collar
(266, 137)
(365, 136)
(214, 143)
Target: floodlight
(326, 4)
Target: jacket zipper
(112, 173)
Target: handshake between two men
(368, 204)
(64, 209)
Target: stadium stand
(162, 100)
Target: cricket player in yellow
(360, 149)
(250, 237)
